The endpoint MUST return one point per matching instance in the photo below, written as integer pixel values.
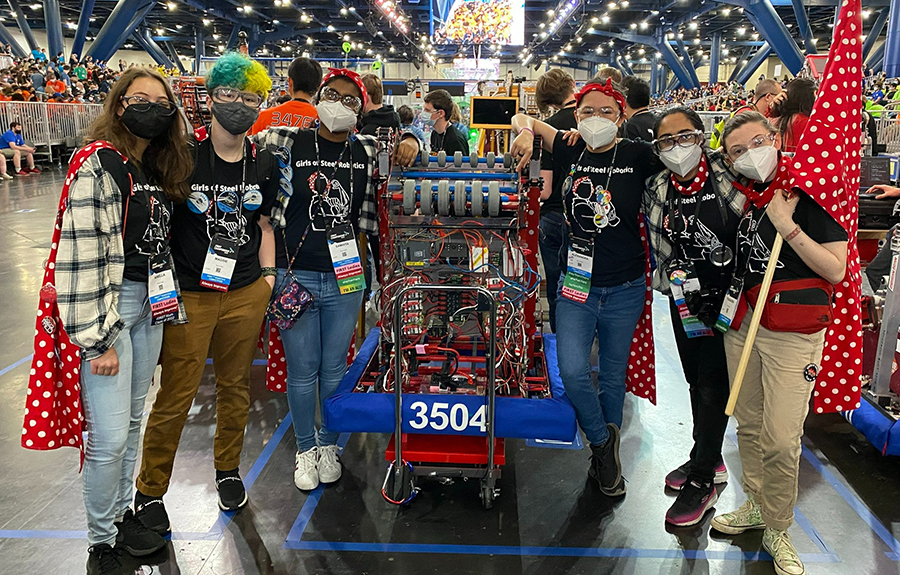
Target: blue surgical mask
(426, 118)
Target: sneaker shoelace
(330, 455)
(784, 549)
(307, 461)
(108, 559)
(692, 494)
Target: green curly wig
(235, 70)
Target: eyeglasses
(683, 140)
(349, 102)
(228, 95)
(757, 142)
(142, 104)
(605, 112)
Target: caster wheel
(487, 496)
(457, 159)
(507, 161)
(473, 160)
(442, 159)
(477, 198)
(494, 199)
(409, 197)
(491, 159)
(426, 198)
(443, 198)
(459, 198)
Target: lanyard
(212, 166)
(319, 196)
(674, 201)
(567, 185)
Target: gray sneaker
(778, 544)
(748, 516)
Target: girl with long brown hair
(112, 261)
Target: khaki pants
(770, 412)
(230, 322)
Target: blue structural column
(175, 58)
(53, 23)
(84, 22)
(233, 38)
(118, 27)
(762, 15)
(624, 66)
(23, 24)
(686, 58)
(741, 62)
(874, 33)
(892, 44)
(673, 61)
(803, 26)
(877, 56)
(654, 76)
(199, 49)
(146, 41)
(764, 52)
(7, 38)
(715, 54)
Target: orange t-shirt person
(304, 78)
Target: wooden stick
(754, 324)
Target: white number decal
(438, 411)
(459, 417)
(421, 419)
(478, 419)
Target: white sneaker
(6, 176)
(306, 475)
(329, 464)
(778, 544)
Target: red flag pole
(754, 324)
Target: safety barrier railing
(50, 124)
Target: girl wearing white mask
(604, 289)
(774, 399)
(330, 194)
(693, 212)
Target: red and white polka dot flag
(826, 166)
(640, 379)
(53, 412)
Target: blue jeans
(552, 241)
(611, 314)
(113, 409)
(316, 352)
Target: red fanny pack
(799, 306)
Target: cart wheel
(459, 198)
(487, 496)
(426, 198)
(490, 159)
(457, 159)
(477, 198)
(473, 160)
(425, 159)
(442, 159)
(409, 197)
(443, 197)
(494, 199)
(507, 160)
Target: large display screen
(478, 22)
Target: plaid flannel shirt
(282, 139)
(655, 209)
(90, 261)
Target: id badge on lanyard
(683, 280)
(219, 265)
(345, 258)
(577, 283)
(730, 305)
(161, 289)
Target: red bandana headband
(605, 89)
(350, 75)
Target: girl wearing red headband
(604, 291)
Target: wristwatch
(266, 272)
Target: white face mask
(598, 132)
(758, 164)
(681, 160)
(336, 117)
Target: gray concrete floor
(548, 519)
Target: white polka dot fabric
(640, 378)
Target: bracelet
(527, 130)
(793, 234)
(266, 272)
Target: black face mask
(149, 122)
(235, 117)
(19, 131)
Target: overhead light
(216, 36)
(344, 11)
(172, 6)
(35, 6)
(692, 25)
(248, 8)
(159, 31)
(726, 11)
(309, 40)
(605, 19)
(206, 21)
(866, 13)
(306, 53)
(346, 37)
(276, 22)
(633, 25)
(741, 31)
(696, 40)
(179, 26)
(644, 25)
(330, 28)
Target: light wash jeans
(316, 352)
(611, 314)
(113, 408)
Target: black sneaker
(694, 500)
(232, 495)
(104, 560)
(136, 539)
(605, 465)
(151, 512)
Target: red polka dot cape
(53, 411)
(640, 378)
(826, 167)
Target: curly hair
(235, 70)
(552, 89)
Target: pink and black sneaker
(692, 503)
(677, 478)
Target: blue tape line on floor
(209, 361)
(13, 366)
(312, 501)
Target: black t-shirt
(223, 201)
(450, 141)
(756, 247)
(562, 120)
(704, 232)
(641, 126)
(618, 252)
(146, 213)
(342, 201)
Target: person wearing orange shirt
(304, 77)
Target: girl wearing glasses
(604, 291)
(693, 212)
(224, 251)
(114, 242)
(774, 399)
(331, 199)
